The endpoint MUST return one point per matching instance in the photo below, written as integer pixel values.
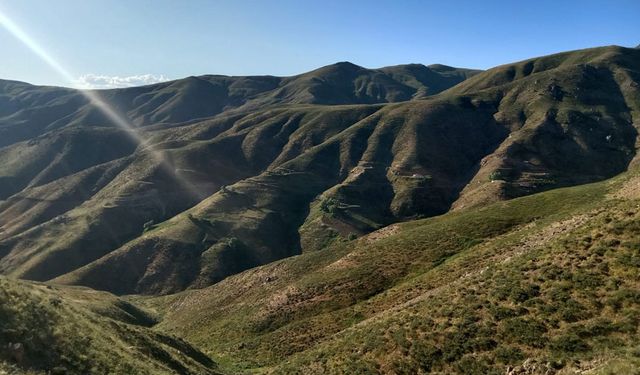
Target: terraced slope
(543, 284)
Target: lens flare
(94, 98)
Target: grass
(79, 331)
(494, 315)
(544, 282)
(471, 292)
(381, 163)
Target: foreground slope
(53, 330)
(543, 284)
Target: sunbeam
(94, 98)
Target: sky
(119, 43)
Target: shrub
(569, 343)
(496, 175)
(426, 355)
(509, 355)
(525, 331)
(473, 365)
(330, 206)
(147, 226)
(572, 311)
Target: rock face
(241, 171)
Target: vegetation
(47, 329)
(546, 281)
(345, 220)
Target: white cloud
(96, 81)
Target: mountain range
(407, 219)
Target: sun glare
(94, 98)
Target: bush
(148, 226)
(569, 343)
(329, 206)
(525, 331)
(495, 176)
(473, 365)
(572, 311)
(509, 355)
(425, 355)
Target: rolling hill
(407, 219)
(246, 189)
(542, 284)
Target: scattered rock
(532, 367)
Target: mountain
(544, 284)
(28, 111)
(539, 284)
(77, 165)
(245, 189)
(405, 219)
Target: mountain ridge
(164, 102)
(339, 221)
(303, 175)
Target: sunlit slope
(264, 184)
(48, 329)
(390, 164)
(547, 282)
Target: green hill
(546, 283)
(407, 219)
(294, 179)
(54, 330)
(27, 111)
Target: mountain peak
(347, 64)
(344, 66)
(441, 67)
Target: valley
(408, 219)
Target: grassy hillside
(407, 219)
(546, 283)
(53, 330)
(326, 174)
(219, 195)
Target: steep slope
(64, 162)
(261, 215)
(397, 162)
(564, 106)
(545, 284)
(77, 331)
(242, 189)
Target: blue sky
(116, 40)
